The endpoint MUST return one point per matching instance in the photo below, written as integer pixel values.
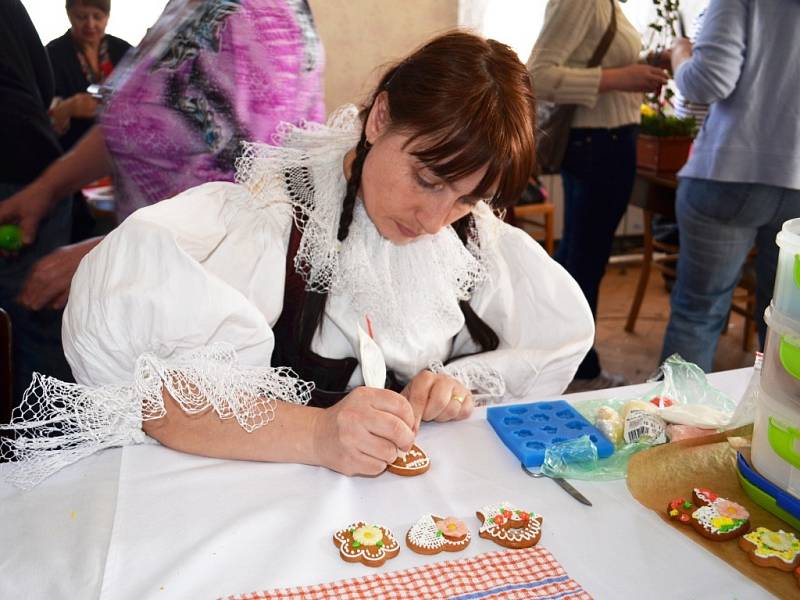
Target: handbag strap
(606, 40)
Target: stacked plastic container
(776, 434)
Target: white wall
(129, 18)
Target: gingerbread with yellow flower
(371, 545)
(713, 517)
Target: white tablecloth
(148, 522)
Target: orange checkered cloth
(531, 573)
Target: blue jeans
(36, 335)
(598, 173)
(719, 223)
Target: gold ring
(457, 397)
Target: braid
(481, 333)
(310, 315)
(352, 186)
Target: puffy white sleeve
(538, 311)
(182, 295)
(154, 286)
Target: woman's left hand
(438, 397)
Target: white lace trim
(480, 379)
(59, 423)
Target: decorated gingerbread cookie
(713, 517)
(432, 534)
(768, 548)
(371, 545)
(413, 462)
(508, 526)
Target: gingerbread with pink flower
(715, 518)
(361, 542)
(509, 526)
(432, 534)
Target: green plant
(663, 125)
(656, 119)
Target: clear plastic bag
(684, 397)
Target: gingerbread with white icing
(767, 548)
(432, 534)
(509, 526)
(411, 463)
(715, 518)
(361, 542)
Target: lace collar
(421, 281)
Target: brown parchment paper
(663, 473)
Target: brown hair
(102, 5)
(473, 99)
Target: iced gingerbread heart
(508, 526)
(413, 462)
(371, 545)
(432, 534)
(768, 548)
(715, 518)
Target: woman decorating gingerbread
(224, 321)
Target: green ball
(10, 237)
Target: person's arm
(538, 312)
(710, 70)
(359, 435)
(87, 161)
(566, 24)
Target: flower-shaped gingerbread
(713, 517)
(768, 548)
(413, 462)
(508, 526)
(432, 534)
(371, 545)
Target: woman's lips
(405, 231)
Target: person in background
(742, 180)
(26, 89)
(85, 55)
(208, 75)
(600, 161)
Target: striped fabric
(531, 573)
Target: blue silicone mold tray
(530, 429)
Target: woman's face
(403, 197)
(88, 24)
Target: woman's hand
(60, 116)
(438, 397)
(633, 78)
(48, 281)
(83, 106)
(27, 208)
(363, 432)
(681, 52)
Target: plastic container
(780, 375)
(767, 495)
(776, 442)
(786, 296)
(528, 430)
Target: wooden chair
(6, 356)
(540, 215)
(545, 211)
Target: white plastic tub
(776, 442)
(786, 295)
(780, 375)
